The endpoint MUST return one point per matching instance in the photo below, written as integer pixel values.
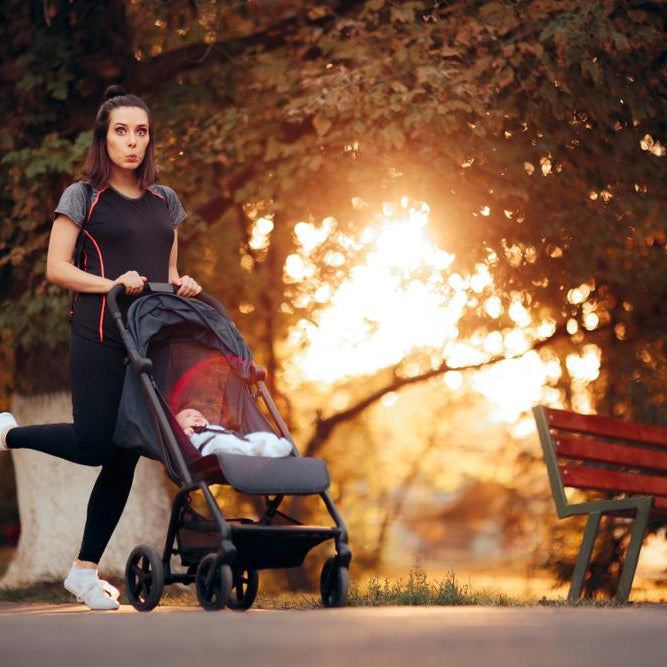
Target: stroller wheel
(334, 584)
(144, 577)
(213, 592)
(244, 590)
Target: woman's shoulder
(78, 189)
(163, 190)
(75, 201)
(176, 212)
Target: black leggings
(96, 377)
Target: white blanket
(213, 441)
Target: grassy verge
(416, 590)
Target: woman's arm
(173, 261)
(60, 268)
(186, 286)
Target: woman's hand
(187, 286)
(134, 283)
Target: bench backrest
(599, 453)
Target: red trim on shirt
(99, 252)
(157, 194)
(94, 204)
(104, 298)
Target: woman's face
(127, 137)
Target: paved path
(55, 635)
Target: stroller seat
(290, 475)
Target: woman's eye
(120, 130)
(142, 132)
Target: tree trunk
(52, 500)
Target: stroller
(188, 353)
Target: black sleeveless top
(119, 234)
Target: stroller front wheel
(144, 577)
(214, 583)
(244, 590)
(334, 584)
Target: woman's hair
(98, 165)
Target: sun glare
(380, 314)
(403, 298)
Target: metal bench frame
(640, 505)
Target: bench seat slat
(583, 477)
(606, 427)
(660, 503)
(589, 449)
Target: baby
(212, 438)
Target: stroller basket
(258, 547)
(197, 537)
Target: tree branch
(325, 427)
(145, 74)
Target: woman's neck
(125, 182)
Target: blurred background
(424, 217)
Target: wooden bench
(625, 461)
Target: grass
(586, 602)
(416, 590)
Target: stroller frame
(220, 573)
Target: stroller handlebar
(151, 288)
(155, 287)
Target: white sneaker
(85, 585)
(109, 589)
(7, 421)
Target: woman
(128, 225)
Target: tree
(533, 130)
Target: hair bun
(113, 91)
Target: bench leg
(584, 556)
(632, 556)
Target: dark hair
(98, 167)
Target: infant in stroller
(214, 438)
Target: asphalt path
(54, 635)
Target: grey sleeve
(176, 211)
(74, 202)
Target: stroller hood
(176, 334)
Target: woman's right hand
(134, 283)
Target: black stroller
(187, 352)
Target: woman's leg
(106, 504)
(96, 376)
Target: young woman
(128, 224)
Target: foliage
(521, 124)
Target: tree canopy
(533, 130)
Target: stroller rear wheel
(144, 577)
(214, 583)
(334, 584)
(244, 590)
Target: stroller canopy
(200, 361)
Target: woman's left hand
(187, 286)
